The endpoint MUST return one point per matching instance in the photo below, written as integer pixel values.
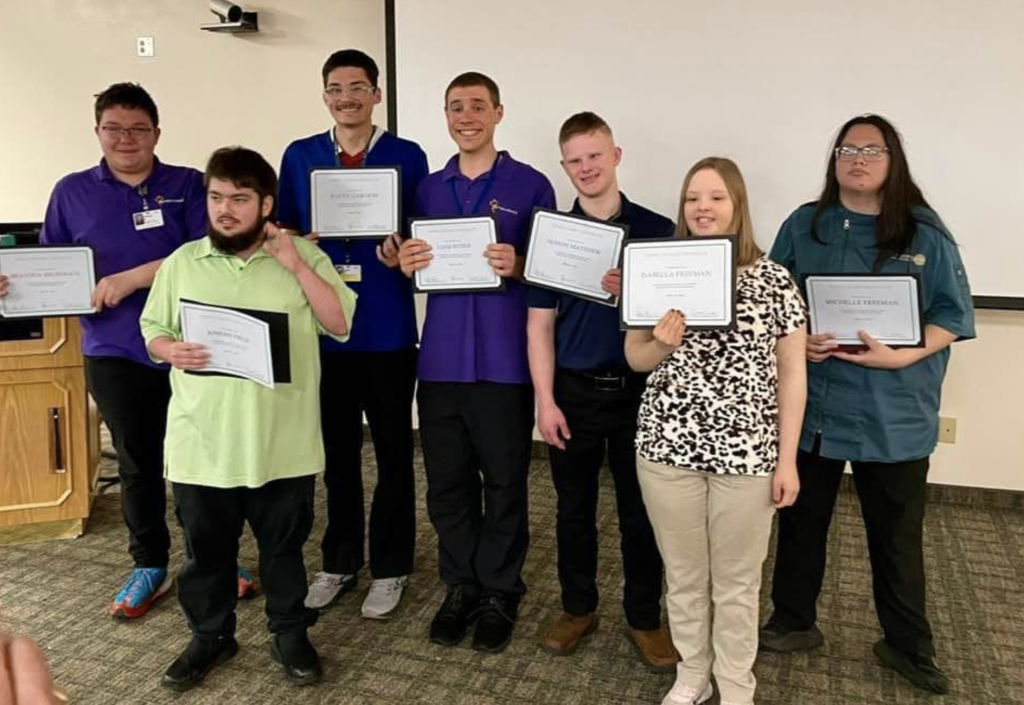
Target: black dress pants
(601, 412)
(280, 514)
(477, 439)
(133, 400)
(892, 499)
(380, 384)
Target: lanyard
(483, 193)
(366, 149)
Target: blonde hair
(747, 251)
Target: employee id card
(350, 272)
(147, 220)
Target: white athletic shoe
(384, 596)
(328, 587)
(682, 694)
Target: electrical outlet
(947, 429)
(144, 46)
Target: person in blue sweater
(877, 409)
(374, 372)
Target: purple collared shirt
(93, 208)
(481, 336)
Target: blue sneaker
(246, 584)
(143, 587)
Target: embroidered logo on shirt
(160, 200)
(495, 207)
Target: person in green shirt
(236, 450)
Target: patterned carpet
(57, 593)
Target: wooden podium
(49, 435)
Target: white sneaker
(328, 587)
(384, 596)
(682, 694)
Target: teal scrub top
(865, 414)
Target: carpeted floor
(57, 593)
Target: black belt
(605, 380)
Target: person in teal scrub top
(877, 409)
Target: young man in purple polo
(587, 401)
(475, 398)
(374, 371)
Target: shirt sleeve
(417, 171)
(195, 200)
(783, 250)
(160, 314)
(287, 202)
(321, 264)
(791, 311)
(55, 230)
(948, 290)
(541, 298)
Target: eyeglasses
(848, 153)
(354, 91)
(115, 131)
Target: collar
(503, 168)
(375, 136)
(102, 172)
(627, 210)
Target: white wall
(261, 90)
(768, 84)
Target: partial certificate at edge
(458, 246)
(351, 203)
(239, 344)
(695, 275)
(886, 306)
(48, 281)
(571, 254)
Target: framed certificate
(48, 281)
(356, 202)
(571, 254)
(239, 344)
(886, 306)
(458, 246)
(695, 275)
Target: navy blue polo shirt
(387, 313)
(587, 335)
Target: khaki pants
(712, 531)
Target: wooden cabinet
(49, 436)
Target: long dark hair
(899, 195)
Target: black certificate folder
(280, 351)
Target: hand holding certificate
(886, 307)
(238, 344)
(47, 281)
(695, 275)
(458, 255)
(572, 254)
(353, 203)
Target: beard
(239, 242)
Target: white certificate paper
(886, 306)
(47, 281)
(355, 202)
(238, 344)
(695, 275)
(458, 246)
(571, 254)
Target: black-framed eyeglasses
(118, 131)
(359, 91)
(847, 153)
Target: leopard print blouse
(712, 404)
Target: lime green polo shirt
(231, 432)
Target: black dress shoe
(296, 654)
(456, 613)
(496, 619)
(202, 654)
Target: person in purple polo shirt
(375, 370)
(475, 398)
(133, 211)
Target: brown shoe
(564, 634)
(655, 648)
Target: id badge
(146, 220)
(350, 272)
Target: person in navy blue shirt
(374, 372)
(587, 397)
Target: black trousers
(381, 384)
(892, 500)
(280, 514)
(603, 414)
(133, 400)
(477, 439)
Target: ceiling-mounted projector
(233, 18)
